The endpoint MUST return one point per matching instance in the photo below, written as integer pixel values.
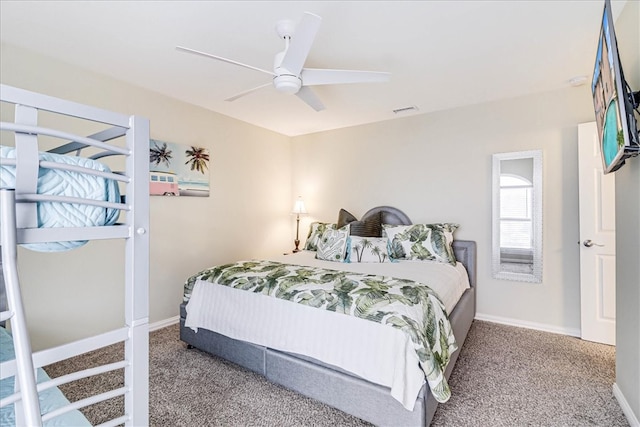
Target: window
(516, 196)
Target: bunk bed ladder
(136, 310)
(29, 405)
(19, 225)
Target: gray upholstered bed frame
(331, 385)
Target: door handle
(589, 243)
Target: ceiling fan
(288, 73)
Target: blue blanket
(50, 399)
(71, 184)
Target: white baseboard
(163, 323)
(626, 409)
(529, 325)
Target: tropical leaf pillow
(367, 249)
(316, 229)
(421, 242)
(332, 245)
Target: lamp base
(297, 243)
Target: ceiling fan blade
(219, 58)
(314, 77)
(247, 92)
(308, 96)
(301, 42)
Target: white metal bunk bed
(121, 135)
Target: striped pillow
(371, 227)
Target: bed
(57, 194)
(351, 363)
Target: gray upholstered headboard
(465, 250)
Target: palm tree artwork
(186, 166)
(381, 254)
(197, 158)
(364, 244)
(160, 154)
(361, 246)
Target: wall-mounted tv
(613, 100)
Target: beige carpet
(505, 376)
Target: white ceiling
(442, 54)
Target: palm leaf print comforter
(399, 303)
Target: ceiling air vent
(405, 109)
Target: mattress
(378, 354)
(57, 182)
(50, 399)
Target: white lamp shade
(299, 208)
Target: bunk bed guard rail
(19, 226)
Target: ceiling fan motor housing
(287, 83)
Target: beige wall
(247, 213)
(437, 167)
(628, 233)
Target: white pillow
(332, 245)
(367, 249)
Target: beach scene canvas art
(178, 169)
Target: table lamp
(298, 209)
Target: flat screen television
(613, 101)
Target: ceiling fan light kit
(287, 83)
(288, 74)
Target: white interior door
(597, 241)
